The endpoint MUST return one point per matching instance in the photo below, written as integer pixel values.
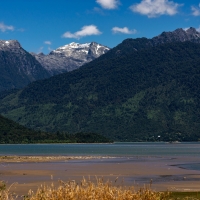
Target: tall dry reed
(88, 190)
(5, 193)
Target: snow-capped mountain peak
(76, 49)
(73, 45)
(71, 48)
(78, 45)
(70, 56)
(10, 45)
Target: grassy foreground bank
(100, 190)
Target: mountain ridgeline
(179, 35)
(141, 90)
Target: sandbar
(15, 158)
(23, 173)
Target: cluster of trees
(13, 133)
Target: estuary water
(114, 149)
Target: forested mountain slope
(137, 96)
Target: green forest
(135, 92)
(13, 133)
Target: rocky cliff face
(18, 67)
(11, 45)
(70, 57)
(179, 35)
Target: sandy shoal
(164, 172)
(14, 159)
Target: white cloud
(155, 8)
(108, 4)
(4, 27)
(85, 31)
(195, 11)
(47, 42)
(124, 30)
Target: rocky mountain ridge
(179, 35)
(18, 67)
(10, 45)
(70, 57)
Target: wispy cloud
(50, 49)
(155, 8)
(47, 42)
(40, 50)
(85, 31)
(185, 29)
(124, 30)
(198, 29)
(98, 10)
(21, 29)
(108, 4)
(195, 10)
(4, 27)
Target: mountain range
(19, 67)
(141, 90)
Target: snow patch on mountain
(12, 46)
(70, 57)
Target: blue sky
(42, 25)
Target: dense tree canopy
(129, 94)
(13, 133)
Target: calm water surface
(115, 149)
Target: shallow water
(193, 166)
(115, 149)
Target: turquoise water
(115, 149)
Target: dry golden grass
(4, 193)
(88, 190)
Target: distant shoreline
(19, 158)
